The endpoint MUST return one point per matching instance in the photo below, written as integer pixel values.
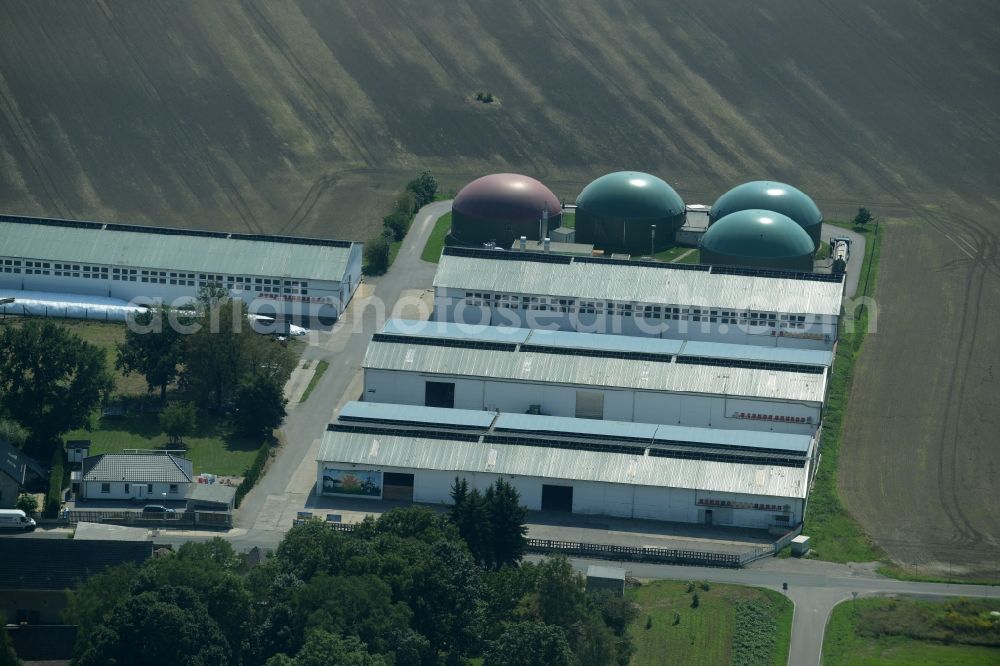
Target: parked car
(156, 510)
(15, 519)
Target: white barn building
(631, 470)
(615, 378)
(697, 302)
(282, 276)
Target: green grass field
(836, 536)
(435, 242)
(213, 449)
(732, 624)
(321, 367)
(898, 632)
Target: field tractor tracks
(319, 95)
(194, 148)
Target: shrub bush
(254, 473)
(377, 255)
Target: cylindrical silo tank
(616, 213)
(768, 195)
(758, 239)
(502, 207)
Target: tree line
(418, 193)
(401, 589)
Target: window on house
(149, 487)
(781, 519)
(105, 487)
(173, 487)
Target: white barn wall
(407, 388)
(603, 499)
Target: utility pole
(652, 240)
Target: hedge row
(418, 193)
(254, 473)
(53, 500)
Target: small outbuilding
(210, 497)
(606, 579)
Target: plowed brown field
(305, 116)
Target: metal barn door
(589, 405)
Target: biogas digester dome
(616, 211)
(768, 195)
(502, 207)
(757, 238)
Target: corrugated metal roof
(453, 331)
(571, 426)
(600, 466)
(640, 284)
(137, 468)
(380, 411)
(616, 343)
(596, 371)
(178, 252)
(757, 353)
(652, 432)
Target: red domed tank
(501, 208)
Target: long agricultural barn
(631, 470)
(592, 376)
(283, 276)
(693, 301)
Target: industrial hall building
(279, 276)
(742, 305)
(630, 470)
(618, 378)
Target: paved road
(266, 508)
(854, 264)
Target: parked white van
(15, 519)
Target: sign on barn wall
(352, 482)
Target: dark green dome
(630, 194)
(758, 238)
(768, 195)
(616, 212)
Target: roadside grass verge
(436, 241)
(731, 624)
(911, 632)
(317, 375)
(836, 536)
(215, 449)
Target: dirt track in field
(305, 116)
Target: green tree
(323, 648)
(471, 515)
(7, 655)
(507, 524)
(51, 379)
(27, 503)
(178, 420)
(377, 255)
(397, 223)
(168, 626)
(863, 217)
(12, 433)
(153, 348)
(225, 351)
(424, 188)
(95, 598)
(406, 201)
(260, 405)
(530, 644)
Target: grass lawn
(732, 624)
(899, 631)
(317, 375)
(104, 335)
(836, 536)
(212, 449)
(435, 242)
